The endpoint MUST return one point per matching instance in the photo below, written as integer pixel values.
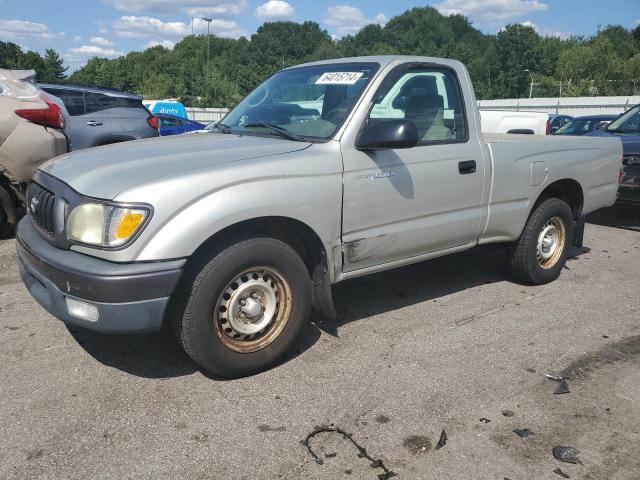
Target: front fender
(188, 210)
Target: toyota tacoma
(325, 172)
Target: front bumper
(130, 297)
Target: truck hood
(630, 141)
(103, 172)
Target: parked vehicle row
(32, 127)
(41, 121)
(585, 124)
(521, 122)
(279, 201)
(100, 116)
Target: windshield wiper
(222, 127)
(283, 132)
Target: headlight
(105, 225)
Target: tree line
(49, 68)
(501, 66)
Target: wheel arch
(567, 190)
(295, 233)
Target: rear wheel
(246, 308)
(541, 252)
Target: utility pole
(208, 20)
(531, 86)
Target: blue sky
(80, 29)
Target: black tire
(8, 217)
(524, 263)
(204, 338)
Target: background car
(627, 128)
(558, 121)
(167, 107)
(522, 122)
(585, 124)
(31, 132)
(172, 125)
(100, 116)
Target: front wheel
(246, 307)
(541, 251)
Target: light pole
(530, 86)
(208, 20)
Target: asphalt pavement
(448, 345)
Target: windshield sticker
(339, 78)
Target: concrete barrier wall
(206, 115)
(573, 106)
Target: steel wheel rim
(551, 241)
(252, 309)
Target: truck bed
(520, 167)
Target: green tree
(53, 67)
(519, 54)
(217, 90)
(604, 64)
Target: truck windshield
(627, 123)
(303, 104)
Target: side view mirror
(388, 134)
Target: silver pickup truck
(325, 172)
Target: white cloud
(79, 56)
(490, 12)
(275, 10)
(545, 31)
(77, 38)
(21, 29)
(222, 10)
(348, 20)
(101, 42)
(131, 26)
(223, 28)
(168, 44)
(194, 8)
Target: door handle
(93, 123)
(468, 166)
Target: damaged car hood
(103, 172)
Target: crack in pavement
(375, 463)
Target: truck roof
(383, 60)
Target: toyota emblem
(34, 204)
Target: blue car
(172, 125)
(627, 128)
(585, 124)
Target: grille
(40, 205)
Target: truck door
(404, 203)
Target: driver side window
(431, 99)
